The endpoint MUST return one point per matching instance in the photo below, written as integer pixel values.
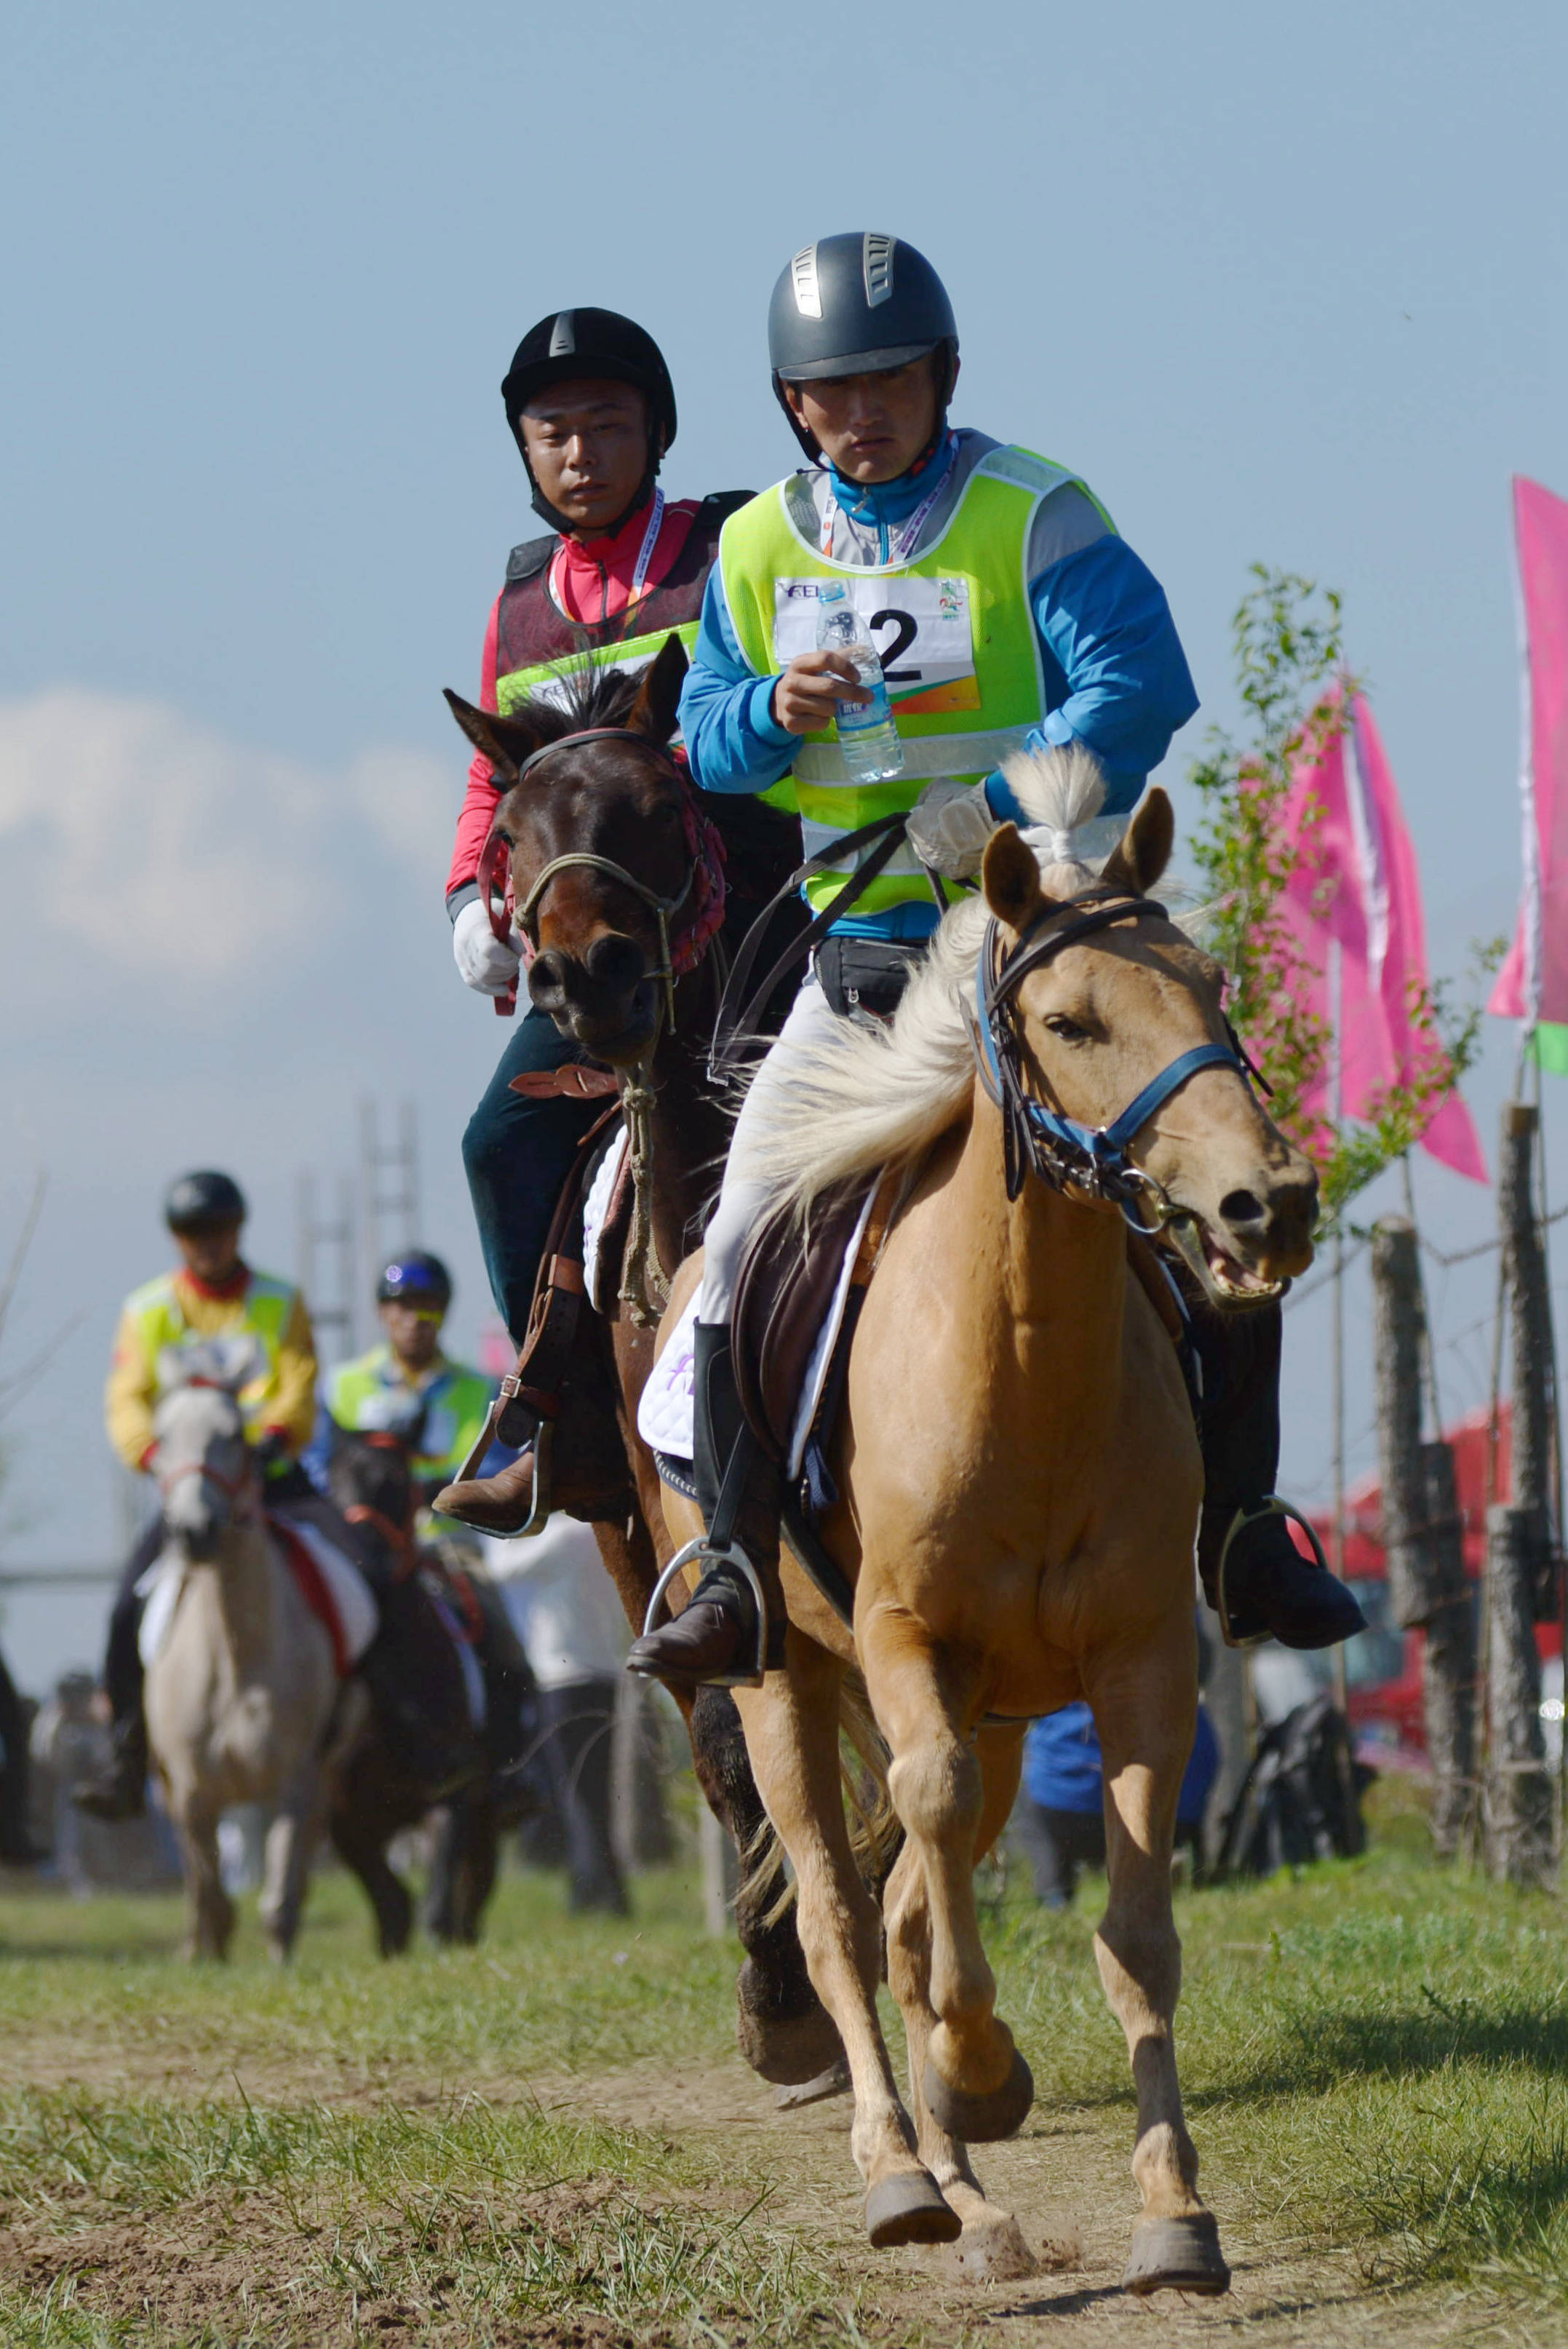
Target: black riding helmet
(572, 343)
(856, 304)
(414, 1279)
(203, 1202)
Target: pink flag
(1358, 886)
(1532, 984)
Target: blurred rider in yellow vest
(212, 1294)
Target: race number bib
(919, 627)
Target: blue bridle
(1060, 1150)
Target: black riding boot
(719, 1638)
(1253, 1577)
(120, 1789)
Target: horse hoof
(980, 2120)
(833, 2082)
(1176, 2255)
(788, 2049)
(910, 2209)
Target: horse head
(206, 1477)
(1117, 1014)
(599, 836)
(370, 1475)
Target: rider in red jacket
(591, 406)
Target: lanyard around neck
(645, 555)
(900, 542)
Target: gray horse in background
(243, 1701)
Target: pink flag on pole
(1532, 984)
(1358, 886)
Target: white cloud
(137, 843)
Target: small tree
(1297, 692)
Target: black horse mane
(588, 696)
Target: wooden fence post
(1530, 1314)
(1518, 1792)
(1421, 1528)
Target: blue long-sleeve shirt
(1116, 677)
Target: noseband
(1045, 1140)
(705, 874)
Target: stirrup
(732, 1555)
(1270, 1507)
(543, 1448)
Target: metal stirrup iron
(734, 1557)
(1272, 1507)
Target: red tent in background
(1363, 1558)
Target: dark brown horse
(620, 808)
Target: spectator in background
(1059, 1819)
(18, 1848)
(570, 1624)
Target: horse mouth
(1226, 1282)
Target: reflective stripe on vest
(985, 544)
(264, 1314)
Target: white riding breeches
(743, 1195)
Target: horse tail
(875, 1835)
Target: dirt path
(1066, 2179)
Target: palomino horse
(243, 1696)
(601, 834)
(1019, 1481)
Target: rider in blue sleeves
(1010, 615)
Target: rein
(1059, 1149)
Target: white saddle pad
(664, 1412)
(358, 1619)
(596, 1206)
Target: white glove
(487, 965)
(950, 825)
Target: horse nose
(547, 980)
(1278, 1216)
(616, 964)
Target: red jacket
(589, 585)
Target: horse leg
(210, 1912)
(973, 2079)
(357, 1839)
(992, 2244)
(782, 2027)
(792, 1734)
(1144, 1711)
(290, 1841)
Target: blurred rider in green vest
(406, 1385)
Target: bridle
(1045, 1141)
(705, 878)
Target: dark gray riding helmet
(854, 305)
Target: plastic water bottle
(867, 735)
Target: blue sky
(1284, 285)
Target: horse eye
(1058, 1024)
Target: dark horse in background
(622, 805)
(481, 1790)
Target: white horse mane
(881, 1098)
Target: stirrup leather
(732, 1555)
(1270, 1507)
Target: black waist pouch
(865, 977)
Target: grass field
(550, 2138)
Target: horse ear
(653, 712)
(1011, 878)
(1143, 851)
(506, 742)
